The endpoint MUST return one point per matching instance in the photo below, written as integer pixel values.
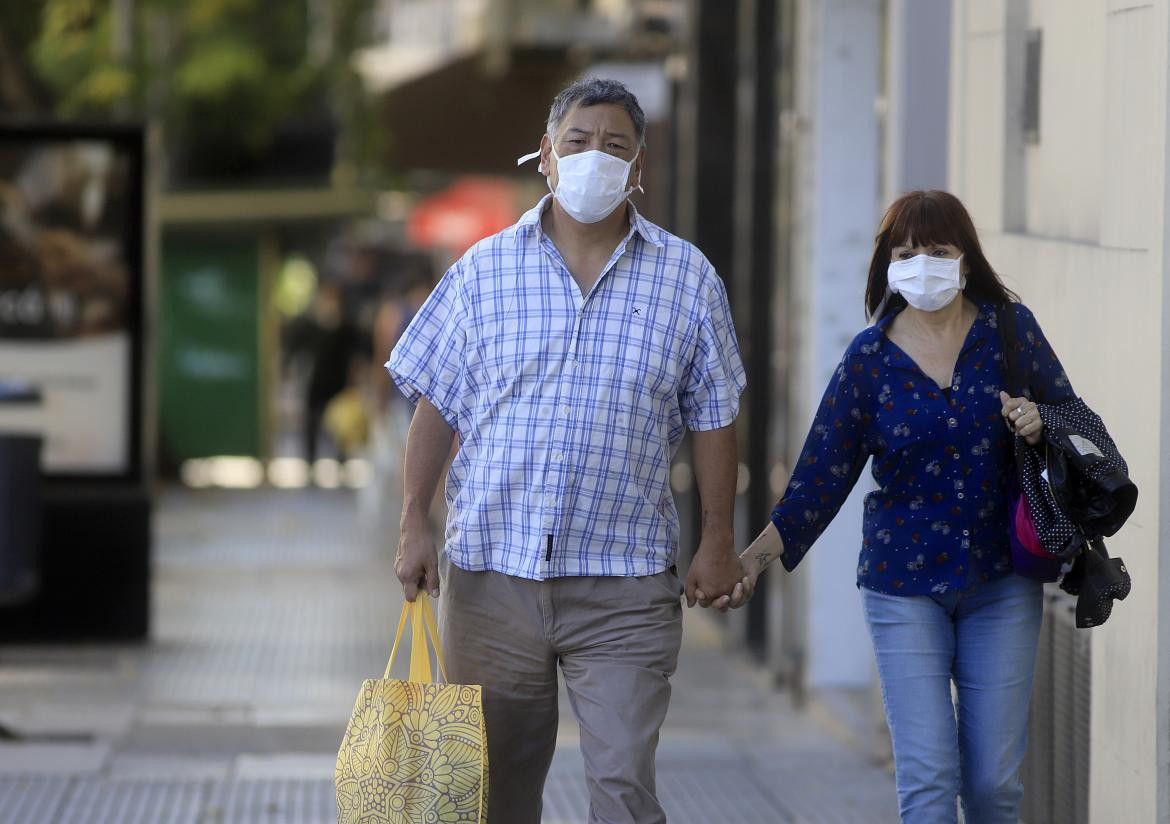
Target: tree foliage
(220, 75)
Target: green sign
(209, 346)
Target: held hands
(716, 577)
(1022, 418)
(417, 562)
(765, 549)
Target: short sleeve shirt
(569, 407)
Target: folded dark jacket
(1076, 482)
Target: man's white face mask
(590, 185)
(926, 282)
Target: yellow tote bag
(415, 752)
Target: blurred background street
(218, 216)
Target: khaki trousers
(616, 641)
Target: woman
(921, 392)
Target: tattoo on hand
(763, 559)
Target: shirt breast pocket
(649, 368)
(517, 349)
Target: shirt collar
(530, 222)
(986, 322)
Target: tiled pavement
(270, 608)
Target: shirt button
(966, 532)
(960, 496)
(952, 422)
(549, 501)
(558, 457)
(956, 456)
(565, 411)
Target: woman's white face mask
(927, 282)
(590, 184)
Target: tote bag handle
(422, 623)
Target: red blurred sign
(466, 212)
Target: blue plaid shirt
(569, 408)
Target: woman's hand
(755, 559)
(1022, 418)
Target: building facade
(1058, 145)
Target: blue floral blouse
(941, 458)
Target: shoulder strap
(1018, 380)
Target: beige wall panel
(1115, 365)
(982, 16)
(1132, 129)
(1064, 173)
(978, 135)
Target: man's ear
(545, 166)
(636, 170)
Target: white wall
(917, 95)
(1162, 714)
(1088, 254)
(1064, 173)
(839, 59)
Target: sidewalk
(270, 607)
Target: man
(569, 352)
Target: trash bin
(20, 493)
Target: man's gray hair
(594, 91)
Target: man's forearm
(716, 467)
(427, 448)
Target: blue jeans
(984, 639)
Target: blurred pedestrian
(569, 353)
(332, 343)
(921, 391)
(408, 285)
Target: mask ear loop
(637, 187)
(520, 161)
